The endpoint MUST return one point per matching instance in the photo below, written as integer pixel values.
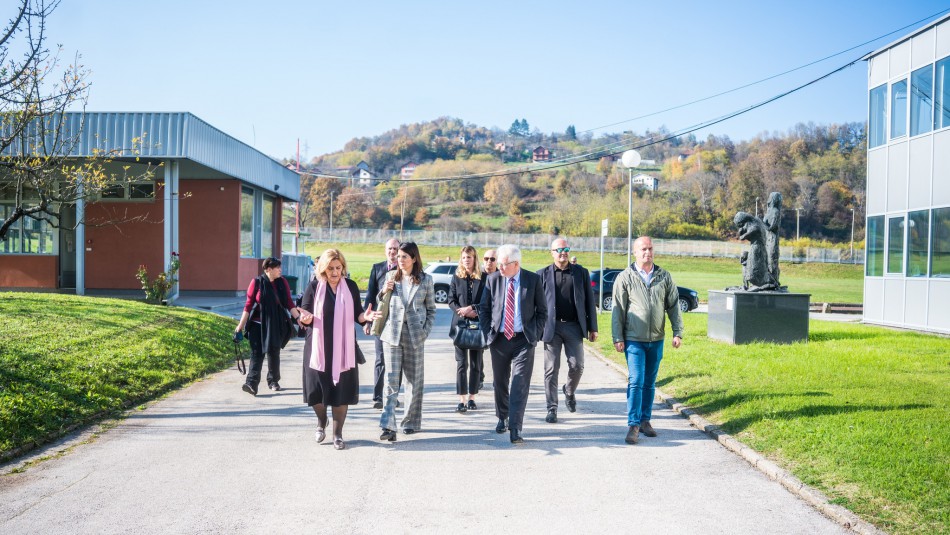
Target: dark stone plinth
(740, 317)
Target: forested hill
(819, 169)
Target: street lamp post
(331, 218)
(798, 218)
(630, 159)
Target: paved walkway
(212, 459)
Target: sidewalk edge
(812, 496)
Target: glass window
(942, 92)
(940, 243)
(26, 235)
(895, 245)
(918, 236)
(899, 109)
(874, 255)
(267, 228)
(877, 116)
(921, 100)
(115, 191)
(142, 190)
(247, 222)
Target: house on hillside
(407, 170)
(907, 242)
(214, 200)
(541, 154)
(356, 175)
(647, 182)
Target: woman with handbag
(331, 308)
(411, 317)
(266, 324)
(464, 296)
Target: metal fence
(484, 240)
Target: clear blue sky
(269, 73)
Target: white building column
(171, 197)
(80, 238)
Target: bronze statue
(755, 267)
(772, 218)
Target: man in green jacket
(644, 294)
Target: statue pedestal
(744, 317)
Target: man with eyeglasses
(377, 278)
(571, 318)
(512, 315)
(489, 266)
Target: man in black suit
(571, 318)
(512, 315)
(377, 279)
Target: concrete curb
(810, 495)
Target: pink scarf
(344, 336)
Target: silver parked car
(441, 273)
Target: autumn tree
(37, 135)
(318, 199)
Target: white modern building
(907, 268)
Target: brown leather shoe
(647, 429)
(633, 435)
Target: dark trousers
(567, 335)
(257, 359)
(468, 364)
(512, 360)
(379, 372)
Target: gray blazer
(534, 310)
(419, 315)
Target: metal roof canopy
(203, 150)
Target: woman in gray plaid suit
(411, 317)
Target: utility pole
(402, 217)
(852, 235)
(331, 216)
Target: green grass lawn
(860, 412)
(827, 283)
(67, 360)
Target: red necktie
(510, 310)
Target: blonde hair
(461, 272)
(324, 262)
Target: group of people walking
(514, 309)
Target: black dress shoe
(461, 408)
(377, 404)
(408, 431)
(516, 437)
(569, 399)
(274, 386)
(502, 425)
(249, 389)
(388, 434)
(551, 417)
(471, 405)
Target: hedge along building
(907, 267)
(213, 199)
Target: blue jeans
(643, 363)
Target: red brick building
(214, 200)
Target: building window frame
(940, 242)
(942, 93)
(921, 96)
(874, 253)
(877, 116)
(895, 245)
(918, 243)
(898, 109)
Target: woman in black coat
(464, 295)
(331, 309)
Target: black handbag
(360, 359)
(467, 334)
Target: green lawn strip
(66, 360)
(860, 412)
(827, 283)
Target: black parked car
(688, 298)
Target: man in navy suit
(571, 318)
(377, 278)
(512, 315)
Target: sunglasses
(562, 250)
(489, 258)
